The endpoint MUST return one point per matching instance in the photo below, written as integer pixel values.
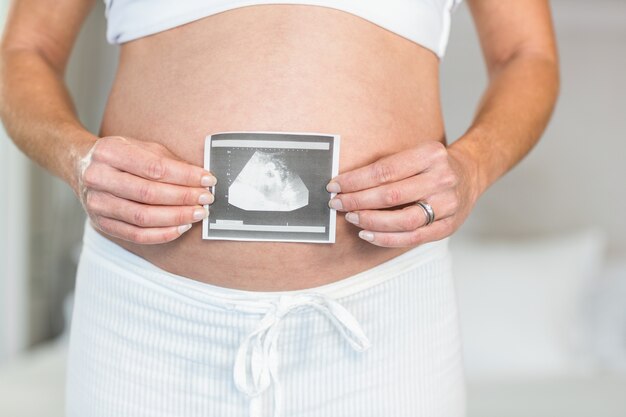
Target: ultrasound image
(266, 183)
(271, 186)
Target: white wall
(14, 233)
(576, 176)
(13, 249)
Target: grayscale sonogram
(271, 186)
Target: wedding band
(428, 210)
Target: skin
(138, 192)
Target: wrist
(79, 142)
(466, 156)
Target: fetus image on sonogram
(267, 184)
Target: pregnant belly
(295, 68)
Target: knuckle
(351, 203)
(348, 182)
(91, 176)
(156, 168)
(455, 180)
(412, 221)
(414, 238)
(382, 172)
(156, 146)
(95, 221)
(453, 205)
(392, 196)
(103, 223)
(448, 225)
(138, 236)
(389, 240)
(91, 201)
(115, 138)
(365, 222)
(191, 176)
(438, 150)
(98, 149)
(381, 240)
(168, 236)
(140, 217)
(189, 196)
(448, 179)
(103, 149)
(146, 193)
(438, 147)
(184, 216)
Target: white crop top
(425, 22)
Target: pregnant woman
(168, 324)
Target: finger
(135, 159)
(405, 219)
(401, 192)
(135, 234)
(143, 215)
(389, 169)
(131, 187)
(435, 231)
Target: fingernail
(200, 213)
(369, 236)
(206, 199)
(182, 229)
(352, 218)
(333, 187)
(336, 204)
(208, 181)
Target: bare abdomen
(275, 68)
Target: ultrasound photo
(271, 186)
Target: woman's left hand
(445, 178)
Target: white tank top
(425, 22)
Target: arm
(519, 49)
(134, 190)
(518, 44)
(36, 107)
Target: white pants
(145, 342)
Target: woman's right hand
(140, 191)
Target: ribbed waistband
(127, 262)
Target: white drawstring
(263, 356)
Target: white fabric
(145, 342)
(263, 359)
(425, 22)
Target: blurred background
(540, 264)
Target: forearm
(510, 118)
(38, 113)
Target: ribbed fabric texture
(145, 342)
